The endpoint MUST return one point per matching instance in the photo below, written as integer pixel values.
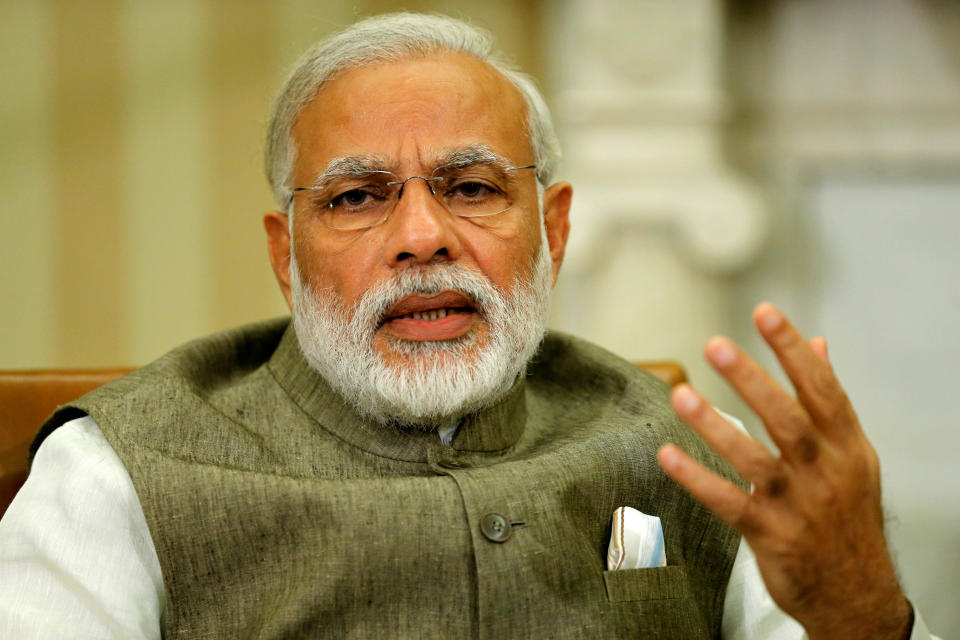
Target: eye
(472, 190)
(353, 198)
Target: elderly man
(412, 456)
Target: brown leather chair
(27, 398)
(669, 371)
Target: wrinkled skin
(814, 518)
(409, 112)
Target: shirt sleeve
(76, 556)
(749, 613)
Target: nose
(420, 229)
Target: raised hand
(814, 518)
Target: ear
(277, 226)
(556, 220)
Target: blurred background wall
(803, 151)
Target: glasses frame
(403, 183)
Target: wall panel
(92, 316)
(27, 318)
(168, 192)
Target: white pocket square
(636, 541)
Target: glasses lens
(480, 190)
(353, 202)
(361, 201)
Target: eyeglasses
(351, 201)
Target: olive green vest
(277, 513)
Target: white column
(659, 218)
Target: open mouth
(444, 316)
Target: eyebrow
(470, 155)
(362, 165)
(350, 166)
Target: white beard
(439, 381)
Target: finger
(718, 494)
(750, 458)
(785, 420)
(817, 388)
(819, 346)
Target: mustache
(371, 311)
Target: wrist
(891, 622)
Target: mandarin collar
(487, 431)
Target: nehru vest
(277, 512)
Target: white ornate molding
(858, 84)
(641, 116)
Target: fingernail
(770, 318)
(669, 459)
(721, 352)
(686, 400)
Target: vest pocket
(654, 583)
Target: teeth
(433, 314)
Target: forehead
(410, 112)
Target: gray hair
(386, 38)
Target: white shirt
(77, 559)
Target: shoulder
(212, 361)
(576, 384)
(576, 366)
(195, 373)
(574, 381)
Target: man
(412, 457)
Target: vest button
(495, 527)
(452, 464)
